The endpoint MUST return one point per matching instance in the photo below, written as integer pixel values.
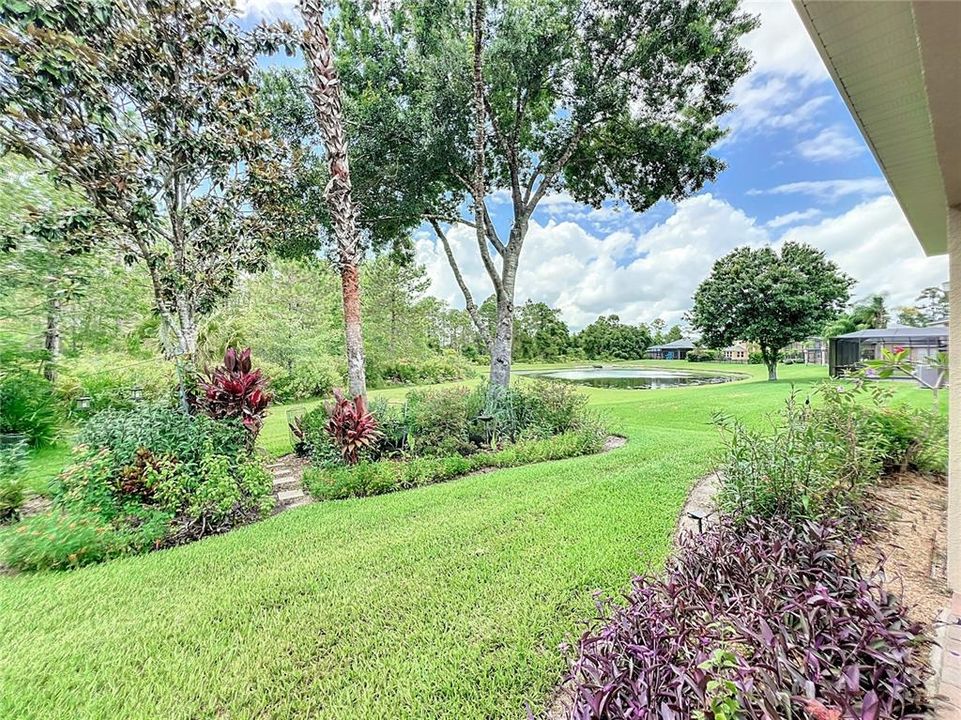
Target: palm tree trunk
(325, 95)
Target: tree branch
(472, 309)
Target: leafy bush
(161, 430)
(152, 477)
(307, 377)
(60, 540)
(28, 407)
(109, 380)
(755, 358)
(440, 368)
(443, 421)
(760, 621)
(351, 427)
(12, 464)
(234, 391)
(818, 459)
(702, 355)
(377, 477)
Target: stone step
(288, 496)
(305, 500)
(280, 484)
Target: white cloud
(792, 218)
(645, 275)
(268, 9)
(873, 243)
(639, 276)
(828, 189)
(786, 66)
(830, 144)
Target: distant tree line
(541, 335)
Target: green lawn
(443, 602)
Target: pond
(628, 378)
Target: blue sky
(797, 169)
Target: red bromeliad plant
(234, 391)
(351, 426)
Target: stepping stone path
(288, 472)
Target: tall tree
(147, 108)
(325, 94)
(933, 302)
(769, 298)
(531, 98)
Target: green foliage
(109, 380)
(28, 406)
(383, 476)
(608, 338)
(444, 421)
(755, 358)
(309, 377)
(769, 298)
(540, 333)
(60, 540)
(439, 368)
(12, 483)
(162, 431)
(817, 460)
(182, 176)
(702, 355)
(144, 479)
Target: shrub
(440, 368)
(12, 463)
(755, 358)
(351, 427)
(443, 422)
(59, 540)
(377, 477)
(308, 377)
(813, 464)
(234, 391)
(553, 406)
(143, 479)
(702, 355)
(28, 407)
(163, 431)
(759, 621)
(109, 380)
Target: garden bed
(441, 434)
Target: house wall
(954, 399)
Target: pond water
(632, 378)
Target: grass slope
(444, 602)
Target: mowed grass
(445, 602)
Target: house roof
(676, 345)
(897, 334)
(896, 64)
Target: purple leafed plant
(234, 391)
(351, 426)
(763, 620)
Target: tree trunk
(770, 358)
(51, 339)
(501, 346)
(350, 285)
(325, 95)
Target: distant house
(848, 351)
(736, 353)
(676, 350)
(812, 350)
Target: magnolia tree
(601, 99)
(147, 108)
(770, 298)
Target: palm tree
(325, 95)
